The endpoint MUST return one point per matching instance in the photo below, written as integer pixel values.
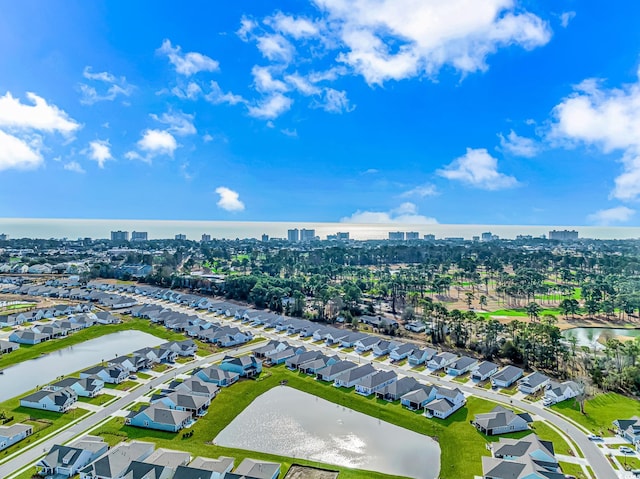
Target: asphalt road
(32, 455)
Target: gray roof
(61, 456)
(191, 472)
(197, 386)
(401, 386)
(357, 373)
(463, 362)
(144, 470)
(485, 367)
(116, 461)
(257, 469)
(378, 378)
(220, 465)
(508, 373)
(442, 357)
(336, 368)
(534, 379)
(168, 458)
(448, 393)
(418, 395)
(499, 417)
(216, 374)
(163, 415)
(442, 405)
(14, 429)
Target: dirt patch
(305, 472)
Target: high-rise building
(564, 235)
(475, 238)
(139, 236)
(429, 237)
(486, 236)
(293, 235)
(265, 238)
(3, 237)
(205, 238)
(344, 236)
(396, 235)
(412, 235)
(119, 236)
(181, 237)
(307, 235)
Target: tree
(469, 299)
(483, 301)
(533, 310)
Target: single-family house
(350, 378)
(270, 348)
(8, 346)
(350, 340)
(533, 383)
(196, 387)
(146, 470)
(252, 469)
(374, 383)
(330, 372)
(419, 397)
(501, 421)
(395, 390)
(246, 366)
(628, 429)
(441, 360)
(526, 458)
(217, 376)
(57, 401)
(109, 374)
(66, 461)
(206, 468)
(83, 387)
(312, 366)
(447, 402)
(415, 326)
(506, 376)
(104, 317)
(366, 344)
(461, 366)
(421, 356)
(401, 352)
(26, 336)
(184, 348)
(293, 362)
(279, 357)
(484, 371)
(10, 435)
(196, 405)
(115, 462)
(384, 347)
(558, 392)
(157, 416)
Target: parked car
(625, 450)
(594, 437)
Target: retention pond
(292, 423)
(27, 375)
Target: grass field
(572, 470)
(123, 386)
(600, 411)
(453, 434)
(98, 400)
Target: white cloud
(265, 83)
(275, 47)
(115, 87)
(421, 191)
(405, 213)
(217, 96)
(247, 26)
(153, 143)
(371, 171)
(229, 199)
(74, 166)
(294, 27)
(519, 145)
(190, 63)
(39, 116)
(287, 132)
(565, 18)
(191, 92)
(395, 39)
(619, 214)
(100, 152)
(608, 119)
(271, 107)
(303, 85)
(179, 123)
(335, 101)
(16, 154)
(479, 169)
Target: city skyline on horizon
(501, 112)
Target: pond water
(292, 423)
(25, 376)
(589, 336)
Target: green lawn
(572, 470)
(453, 434)
(98, 400)
(143, 375)
(600, 411)
(630, 462)
(160, 368)
(123, 386)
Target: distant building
(412, 235)
(139, 236)
(307, 235)
(181, 237)
(396, 235)
(429, 237)
(495, 237)
(486, 236)
(265, 238)
(564, 235)
(293, 235)
(454, 238)
(3, 237)
(524, 237)
(475, 238)
(119, 236)
(343, 236)
(332, 237)
(205, 238)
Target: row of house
(527, 458)
(16, 319)
(91, 458)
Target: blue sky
(456, 111)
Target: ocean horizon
(46, 228)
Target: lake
(589, 336)
(292, 423)
(27, 375)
